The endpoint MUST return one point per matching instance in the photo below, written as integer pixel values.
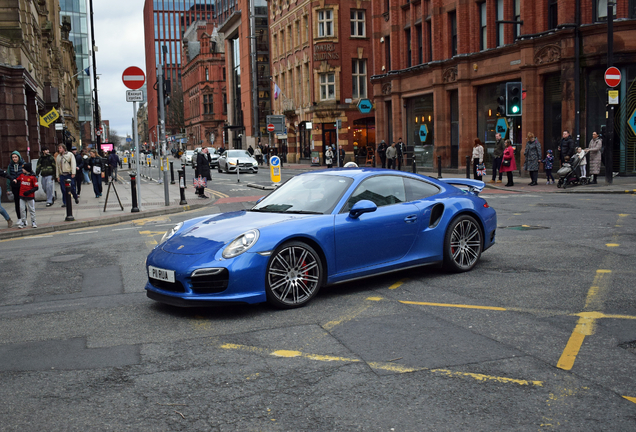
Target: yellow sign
(613, 97)
(274, 169)
(49, 118)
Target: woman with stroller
(508, 163)
(532, 155)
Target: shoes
(34, 225)
(491, 181)
(548, 182)
(49, 204)
(509, 184)
(203, 196)
(76, 200)
(533, 184)
(20, 225)
(63, 205)
(499, 181)
(9, 223)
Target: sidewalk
(90, 210)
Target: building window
(357, 23)
(429, 38)
(207, 74)
(553, 14)
(325, 23)
(208, 107)
(275, 45)
(483, 34)
(452, 16)
(600, 10)
(420, 46)
(306, 28)
(500, 27)
(387, 52)
(409, 53)
(359, 83)
(517, 27)
(283, 51)
(298, 38)
(327, 86)
(224, 103)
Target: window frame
(358, 78)
(483, 26)
(325, 23)
(355, 22)
(325, 85)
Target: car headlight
(241, 244)
(231, 162)
(172, 232)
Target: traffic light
(501, 106)
(513, 99)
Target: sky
(119, 36)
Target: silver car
(231, 159)
(186, 157)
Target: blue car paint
(204, 238)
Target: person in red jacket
(508, 163)
(28, 185)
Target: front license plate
(161, 274)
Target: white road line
(86, 232)
(39, 237)
(122, 229)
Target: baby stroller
(570, 173)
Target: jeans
(15, 188)
(48, 187)
(4, 213)
(548, 174)
(63, 179)
(496, 166)
(87, 178)
(97, 183)
(113, 171)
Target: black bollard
(129, 158)
(181, 174)
(171, 172)
(69, 200)
(373, 161)
(133, 186)
(414, 167)
(439, 167)
(467, 167)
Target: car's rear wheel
(218, 168)
(294, 275)
(462, 244)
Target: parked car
(231, 159)
(186, 158)
(322, 228)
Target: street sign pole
(137, 155)
(609, 144)
(337, 152)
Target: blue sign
(423, 132)
(274, 161)
(502, 126)
(365, 106)
(128, 140)
(632, 121)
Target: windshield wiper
(273, 208)
(303, 212)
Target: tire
(559, 183)
(218, 168)
(463, 244)
(294, 275)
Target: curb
(572, 191)
(108, 220)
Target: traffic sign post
(134, 78)
(612, 76)
(274, 169)
(270, 128)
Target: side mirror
(363, 206)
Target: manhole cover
(524, 227)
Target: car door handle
(410, 219)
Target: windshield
(237, 153)
(306, 194)
(189, 152)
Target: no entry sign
(270, 128)
(133, 78)
(612, 76)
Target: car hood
(242, 159)
(211, 234)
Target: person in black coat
(566, 146)
(382, 153)
(79, 166)
(203, 166)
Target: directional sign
(632, 122)
(270, 128)
(274, 169)
(423, 132)
(134, 96)
(612, 76)
(502, 126)
(133, 78)
(365, 106)
(49, 118)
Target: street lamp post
(97, 116)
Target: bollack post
(171, 172)
(69, 200)
(439, 167)
(133, 187)
(181, 174)
(467, 167)
(129, 161)
(414, 167)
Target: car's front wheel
(462, 244)
(294, 275)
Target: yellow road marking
(353, 314)
(151, 233)
(375, 298)
(612, 245)
(216, 193)
(630, 398)
(144, 221)
(454, 305)
(398, 284)
(379, 365)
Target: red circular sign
(270, 128)
(133, 78)
(612, 76)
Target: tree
(175, 121)
(114, 138)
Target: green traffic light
(515, 109)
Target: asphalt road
(539, 336)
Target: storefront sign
(325, 52)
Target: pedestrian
(548, 163)
(85, 171)
(478, 158)
(583, 164)
(95, 166)
(258, 155)
(113, 161)
(203, 164)
(508, 162)
(329, 157)
(532, 155)
(497, 155)
(391, 156)
(65, 169)
(28, 185)
(594, 149)
(46, 168)
(79, 167)
(3, 212)
(566, 146)
(341, 156)
(13, 172)
(382, 147)
(400, 147)
(250, 150)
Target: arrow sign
(423, 132)
(49, 118)
(502, 126)
(365, 106)
(632, 122)
(133, 78)
(612, 76)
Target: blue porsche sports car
(322, 228)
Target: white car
(186, 158)
(231, 159)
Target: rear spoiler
(475, 186)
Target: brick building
(321, 54)
(443, 63)
(204, 86)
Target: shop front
(420, 129)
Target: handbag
(506, 163)
(481, 169)
(97, 170)
(200, 182)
